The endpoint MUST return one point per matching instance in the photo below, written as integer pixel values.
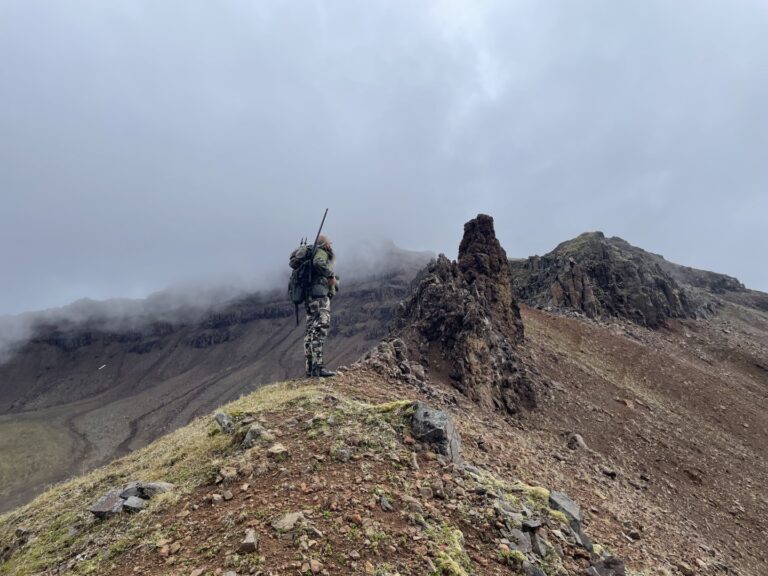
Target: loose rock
(250, 543)
(287, 521)
(108, 505)
(255, 433)
(225, 422)
(608, 567)
(277, 451)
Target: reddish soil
(675, 421)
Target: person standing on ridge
(323, 287)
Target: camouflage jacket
(322, 272)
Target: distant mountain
(608, 277)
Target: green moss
(451, 558)
(512, 557)
(395, 406)
(558, 516)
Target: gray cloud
(144, 144)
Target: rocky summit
(602, 277)
(462, 321)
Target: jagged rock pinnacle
(462, 321)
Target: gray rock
(134, 504)
(225, 422)
(539, 545)
(250, 543)
(386, 505)
(582, 539)
(277, 451)
(532, 524)
(108, 505)
(610, 566)
(576, 441)
(518, 540)
(560, 501)
(254, 434)
(149, 490)
(435, 427)
(130, 489)
(287, 522)
(532, 570)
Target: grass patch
(187, 457)
(451, 558)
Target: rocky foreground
(300, 478)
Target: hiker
(323, 287)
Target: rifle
(311, 260)
(314, 246)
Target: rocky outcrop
(462, 320)
(602, 277)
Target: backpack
(301, 277)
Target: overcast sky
(146, 143)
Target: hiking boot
(319, 371)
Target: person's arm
(322, 264)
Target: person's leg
(322, 325)
(308, 337)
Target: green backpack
(301, 278)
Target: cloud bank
(144, 144)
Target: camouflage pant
(318, 324)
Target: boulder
(130, 489)
(435, 427)
(108, 505)
(277, 451)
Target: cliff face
(462, 320)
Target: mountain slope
(80, 393)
